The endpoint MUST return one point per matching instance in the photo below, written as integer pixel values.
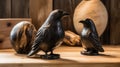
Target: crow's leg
(45, 56)
(50, 56)
(91, 51)
(53, 53)
(54, 56)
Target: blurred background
(33, 8)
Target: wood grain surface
(70, 57)
(39, 11)
(5, 8)
(6, 26)
(20, 9)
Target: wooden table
(70, 57)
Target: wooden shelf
(70, 57)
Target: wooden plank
(70, 57)
(20, 9)
(39, 11)
(62, 65)
(6, 26)
(115, 22)
(5, 8)
(69, 6)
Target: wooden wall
(115, 21)
(14, 8)
(69, 6)
(112, 32)
(20, 9)
(5, 10)
(39, 11)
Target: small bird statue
(89, 38)
(49, 36)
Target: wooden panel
(69, 6)
(115, 22)
(20, 9)
(68, 22)
(105, 37)
(70, 57)
(39, 11)
(5, 28)
(5, 8)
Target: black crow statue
(90, 39)
(49, 36)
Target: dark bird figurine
(49, 35)
(90, 39)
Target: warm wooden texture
(14, 8)
(70, 57)
(115, 22)
(39, 11)
(6, 26)
(5, 8)
(69, 6)
(20, 8)
(68, 22)
(111, 34)
(105, 37)
(71, 38)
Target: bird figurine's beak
(82, 21)
(65, 13)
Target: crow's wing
(39, 38)
(93, 37)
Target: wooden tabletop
(70, 57)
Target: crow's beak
(65, 13)
(82, 21)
